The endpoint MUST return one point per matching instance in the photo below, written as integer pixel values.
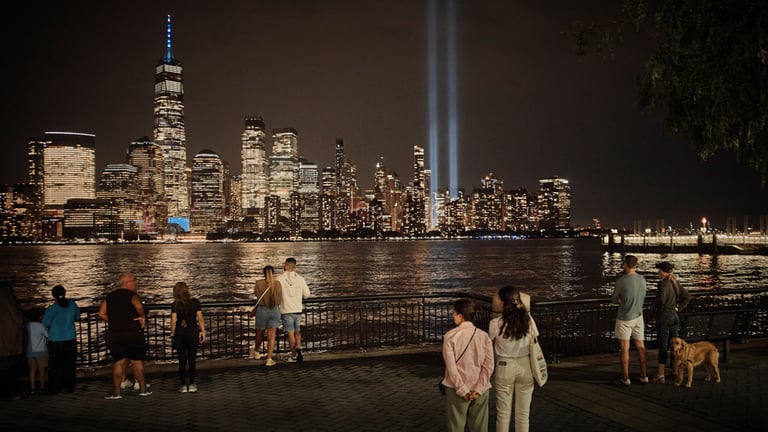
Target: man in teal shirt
(630, 296)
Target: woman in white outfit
(511, 338)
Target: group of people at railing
(48, 340)
(473, 356)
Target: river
(549, 269)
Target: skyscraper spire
(168, 52)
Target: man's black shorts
(127, 344)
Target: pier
(707, 244)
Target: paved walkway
(363, 392)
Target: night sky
(529, 108)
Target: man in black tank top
(123, 310)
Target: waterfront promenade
(396, 391)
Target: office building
(208, 195)
(554, 204)
(169, 131)
(308, 197)
(68, 165)
(148, 159)
(284, 168)
(119, 183)
(255, 177)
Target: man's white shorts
(633, 329)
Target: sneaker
(113, 396)
(259, 356)
(145, 393)
(644, 380)
(659, 379)
(299, 356)
(270, 362)
(291, 360)
(193, 388)
(183, 389)
(137, 387)
(126, 384)
(625, 382)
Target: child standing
(37, 352)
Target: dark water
(548, 268)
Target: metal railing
(568, 328)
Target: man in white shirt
(295, 289)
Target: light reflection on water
(548, 268)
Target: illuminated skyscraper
(343, 206)
(147, 157)
(415, 209)
(309, 197)
(119, 184)
(169, 130)
(284, 167)
(69, 167)
(255, 178)
(208, 200)
(488, 204)
(554, 203)
(328, 199)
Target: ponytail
(59, 293)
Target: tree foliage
(709, 69)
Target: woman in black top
(187, 330)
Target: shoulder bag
(440, 385)
(538, 362)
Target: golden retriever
(689, 355)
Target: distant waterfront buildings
(280, 194)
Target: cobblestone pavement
(363, 392)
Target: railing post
(423, 319)
(362, 327)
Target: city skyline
(525, 128)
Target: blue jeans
(668, 326)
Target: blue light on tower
(168, 52)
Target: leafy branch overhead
(709, 69)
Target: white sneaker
(193, 388)
(270, 362)
(137, 387)
(644, 380)
(625, 382)
(183, 389)
(126, 384)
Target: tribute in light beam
(453, 127)
(432, 98)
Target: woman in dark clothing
(187, 329)
(670, 299)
